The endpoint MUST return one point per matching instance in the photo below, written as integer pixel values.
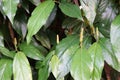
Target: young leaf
(71, 10)
(95, 52)
(10, 8)
(31, 51)
(21, 67)
(108, 54)
(115, 36)
(6, 52)
(81, 65)
(39, 18)
(5, 69)
(89, 8)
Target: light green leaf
(89, 8)
(44, 69)
(21, 67)
(65, 44)
(31, 51)
(81, 65)
(10, 8)
(108, 54)
(5, 69)
(95, 52)
(39, 17)
(54, 65)
(1, 39)
(71, 10)
(6, 52)
(115, 37)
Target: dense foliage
(59, 39)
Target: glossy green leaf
(115, 37)
(39, 17)
(54, 65)
(43, 39)
(95, 52)
(21, 67)
(106, 13)
(5, 69)
(65, 44)
(31, 51)
(10, 7)
(63, 66)
(108, 53)
(89, 7)
(71, 10)
(20, 22)
(6, 52)
(81, 65)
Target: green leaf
(95, 52)
(106, 12)
(65, 44)
(43, 38)
(115, 37)
(5, 69)
(6, 52)
(10, 8)
(71, 10)
(35, 2)
(63, 66)
(21, 67)
(44, 69)
(108, 53)
(31, 51)
(89, 8)
(39, 17)
(54, 65)
(81, 65)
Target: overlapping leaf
(21, 67)
(31, 51)
(5, 69)
(39, 17)
(10, 7)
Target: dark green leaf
(66, 43)
(31, 51)
(95, 52)
(108, 53)
(21, 67)
(6, 52)
(43, 38)
(10, 8)
(39, 18)
(106, 12)
(20, 22)
(71, 10)
(115, 37)
(89, 8)
(35, 2)
(5, 69)
(81, 65)
(1, 39)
